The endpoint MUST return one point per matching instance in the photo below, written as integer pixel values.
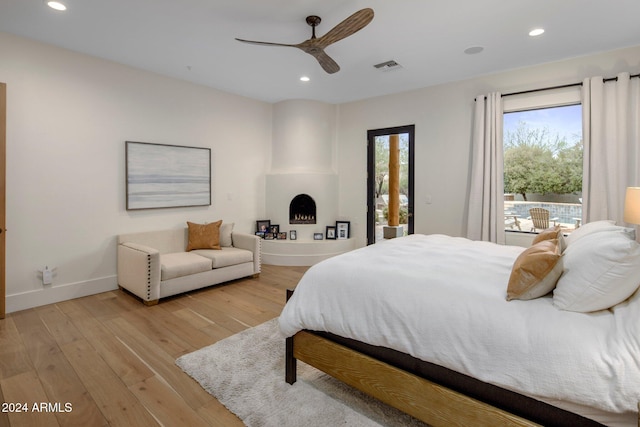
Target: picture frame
(269, 236)
(343, 229)
(330, 233)
(260, 234)
(293, 235)
(282, 235)
(263, 225)
(274, 228)
(166, 176)
(318, 236)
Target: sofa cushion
(204, 236)
(180, 264)
(226, 256)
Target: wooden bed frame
(433, 399)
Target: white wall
(68, 116)
(304, 137)
(443, 119)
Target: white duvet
(442, 299)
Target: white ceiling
(194, 39)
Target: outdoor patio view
(382, 182)
(543, 168)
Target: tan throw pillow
(204, 236)
(550, 234)
(536, 271)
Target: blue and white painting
(165, 176)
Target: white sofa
(155, 264)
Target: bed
(423, 323)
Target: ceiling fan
(315, 46)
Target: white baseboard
(50, 295)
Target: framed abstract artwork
(167, 176)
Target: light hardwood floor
(112, 358)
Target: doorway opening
(378, 177)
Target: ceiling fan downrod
(313, 20)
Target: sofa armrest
(251, 243)
(139, 270)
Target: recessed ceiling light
(473, 50)
(56, 5)
(304, 79)
(536, 32)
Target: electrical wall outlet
(47, 276)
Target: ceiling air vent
(388, 65)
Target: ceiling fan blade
(266, 43)
(349, 26)
(326, 62)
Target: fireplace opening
(302, 210)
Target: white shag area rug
(245, 372)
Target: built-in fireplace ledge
(303, 252)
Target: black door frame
(371, 172)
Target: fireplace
(302, 210)
(301, 184)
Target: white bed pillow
(596, 227)
(601, 269)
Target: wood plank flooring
(109, 360)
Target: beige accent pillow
(204, 236)
(550, 234)
(225, 234)
(536, 271)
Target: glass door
(383, 177)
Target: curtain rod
(610, 79)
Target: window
(543, 162)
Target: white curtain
(486, 198)
(611, 136)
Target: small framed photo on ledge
(293, 235)
(282, 235)
(317, 236)
(275, 229)
(343, 229)
(263, 225)
(331, 232)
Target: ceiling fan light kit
(315, 46)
